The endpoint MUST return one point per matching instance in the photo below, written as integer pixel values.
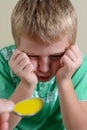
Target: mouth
(43, 78)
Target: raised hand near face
(70, 61)
(23, 68)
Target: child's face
(44, 57)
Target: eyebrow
(55, 54)
(58, 54)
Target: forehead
(38, 47)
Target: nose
(44, 64)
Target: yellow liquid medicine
(28, 107)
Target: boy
(46, 64)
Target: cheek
(35, 64)
(55, 66)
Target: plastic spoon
(28, 107)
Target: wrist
(29, 82)
(26, 87)
(22, 92)
(64, 82)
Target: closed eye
(56, 57)
(33, 56)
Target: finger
(78, 54)
(6, 106)
(76, 50)
(70, 64)
(20, 57)
(3, 121)
(15, 54)
(13, 57)
(66, 61)
(21, 66)
(4, 117)
(4, 126)
(71, 55)
(20, 62)
(13, 60)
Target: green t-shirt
(49, 118)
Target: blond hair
(48, 19)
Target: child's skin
(6, 106)
(34, 60)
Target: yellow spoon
(28, 107)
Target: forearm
(74, 116)
(21, 93)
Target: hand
(5, 107)
(22, 67)
(71, 60)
